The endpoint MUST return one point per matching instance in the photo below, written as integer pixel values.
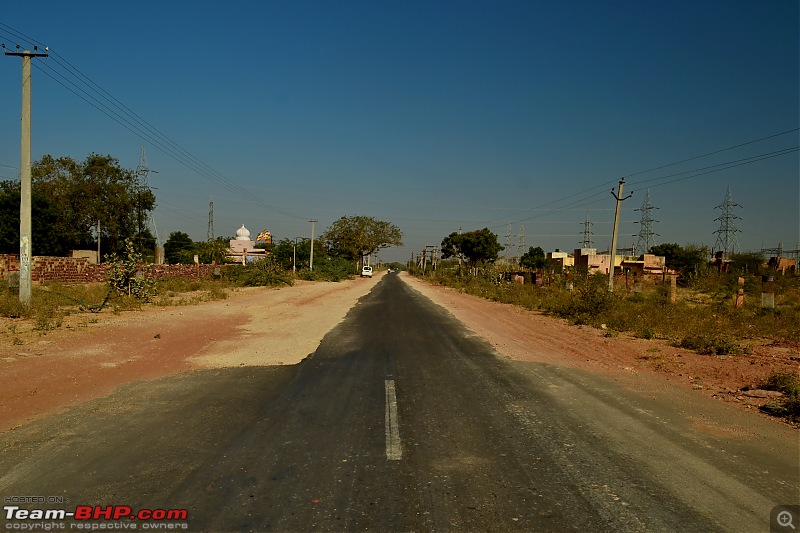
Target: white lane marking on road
(394, 452)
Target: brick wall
(80, 270)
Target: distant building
(784, 265)
(242, 248)
(646, 265)
(589, 259)
(560, 260)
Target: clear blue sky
(432, 115)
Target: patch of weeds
(784, 382)
(47, 319)
(11, 307)
(711, 345)
(218, 293)
(17, 341)
(646, 333)
(787, 407)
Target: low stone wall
(80, 270)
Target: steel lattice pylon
(143, 173)
(727, 242)
(646, 233)
(211, 219)
(587, 232)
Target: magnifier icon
(785, 519)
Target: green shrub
(329, 269)
(263, 273)
(711, 345)
(784, 382)
(125, 277)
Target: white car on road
(366, 271)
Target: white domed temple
(243, 248)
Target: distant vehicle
(366, 271)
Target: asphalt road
(401, 421)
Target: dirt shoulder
(91, 354)
(529, 336)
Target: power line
(107, 104)
(693, 174)
(714, 152)
(605, 184)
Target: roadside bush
(263, 273)
(11, 307)
(125, 277)
(784, 382)
(333, 269)
(711, 345)
(789, 406)
(589, 300)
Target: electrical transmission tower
(211, 219)
(646, 232)
(521, 242)
(587, 233)
(727, 242)
(508, 239)
(143, 174)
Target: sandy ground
(92, 354)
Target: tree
(95, 190)
(179, 248)
(748, 262)
(286, 252)
(534, 258)
(43, 216)
(479, 246)
(210, 251)
(670, 251)
(358, 236)
(688, 261)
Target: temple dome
(242, 234)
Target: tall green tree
(358, 236)
(44, 216)
(179, 248)
(96, 190)
(479, 246)
(534, 258)
(210, 251)
(285, 251)
(688, 261)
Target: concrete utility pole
(25, 237)
(620, 199)
(311, 259)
